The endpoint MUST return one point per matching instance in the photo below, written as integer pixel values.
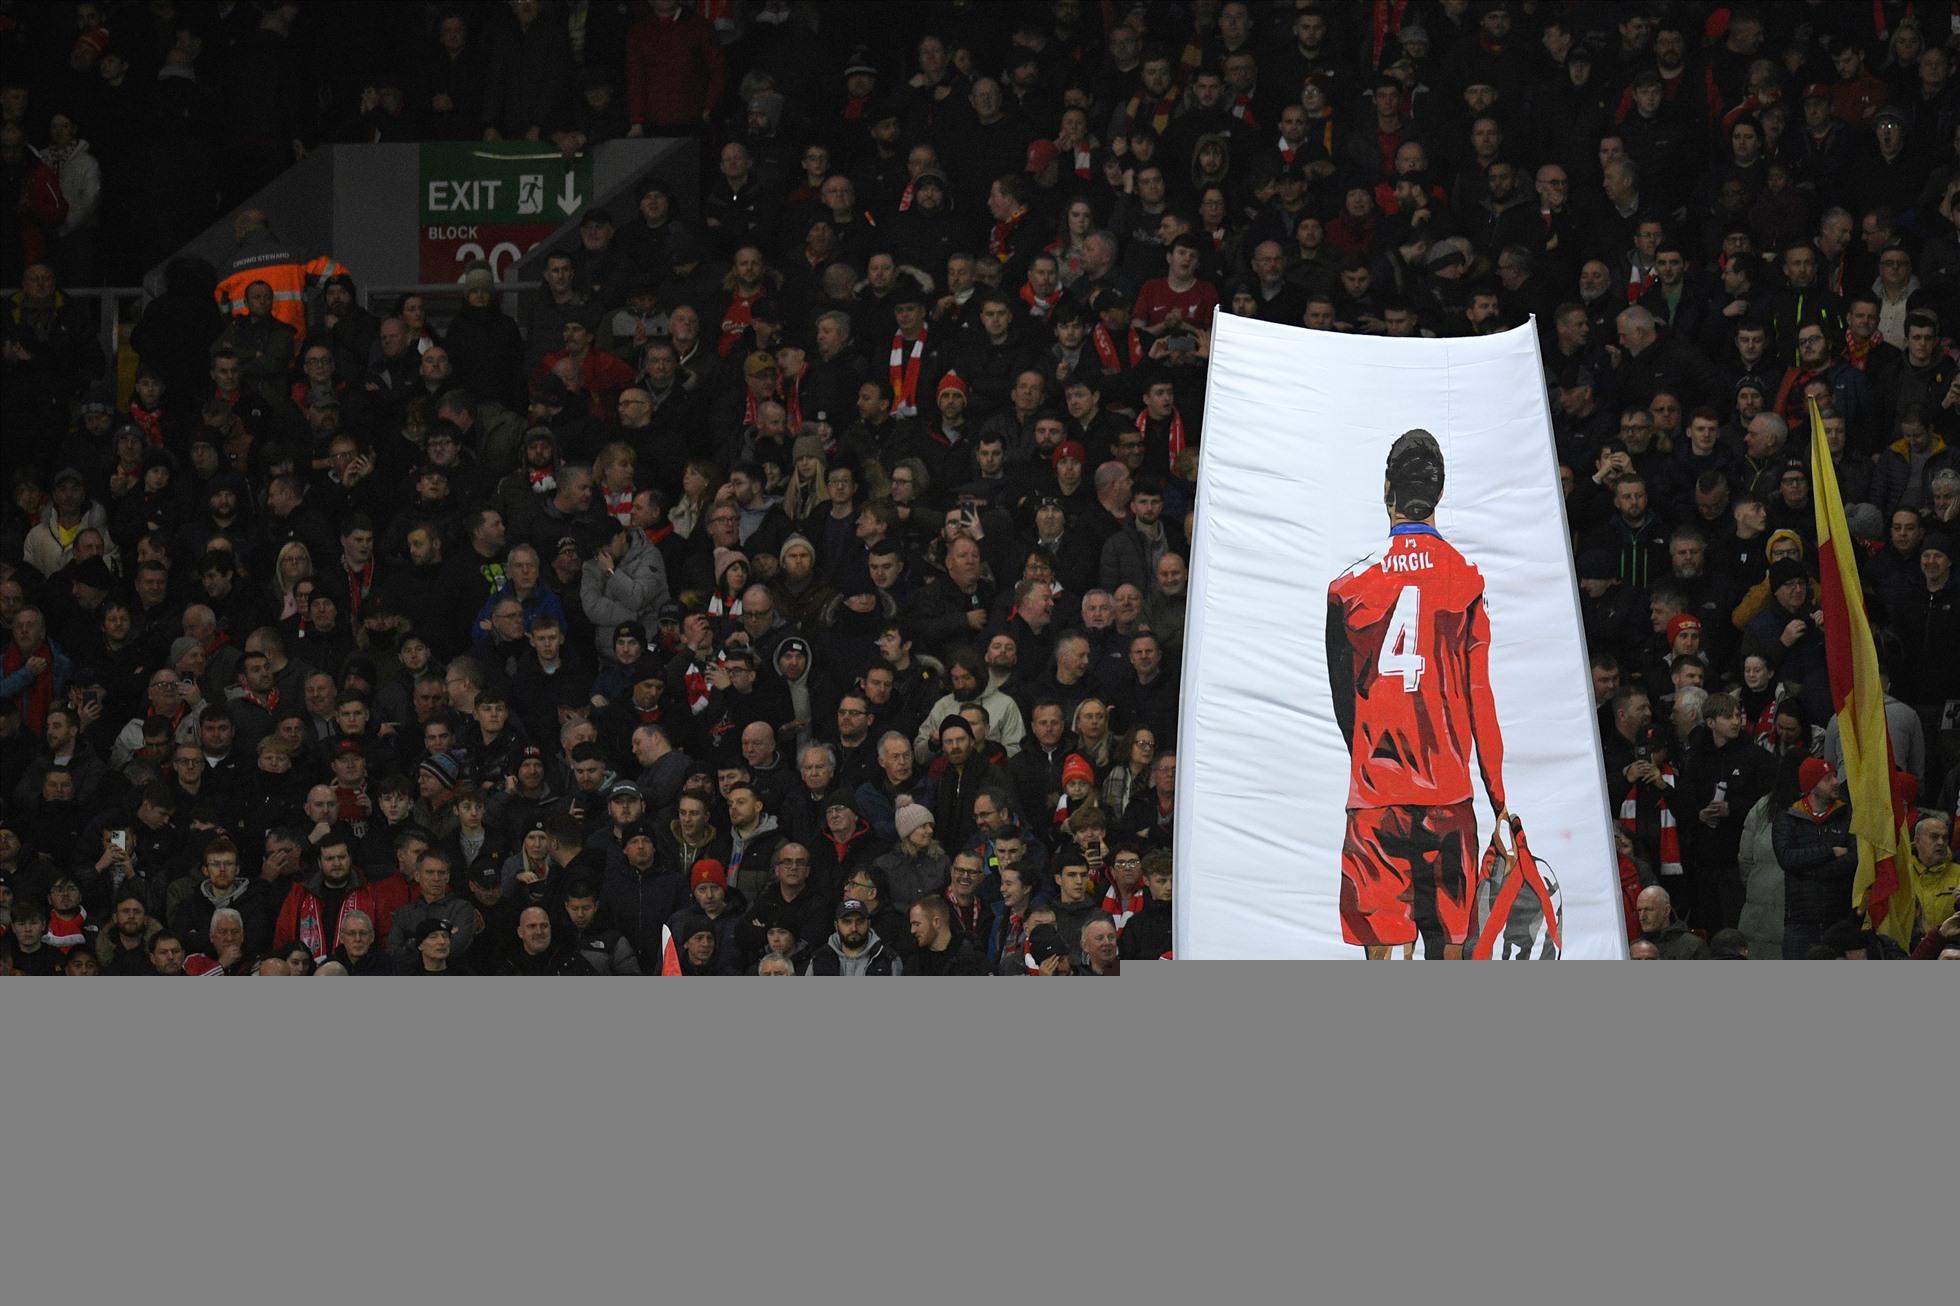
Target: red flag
(670, 957)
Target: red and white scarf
(1105, 346)
(269, 703)
(792, 404)
(1121, 909)
(1177, 430)
(1670, 833)
(905, 374)
(1002, 233)
(311, 931)
(694, 681)
(1039, 306)
(66, 932)
(968, 915)
(543, 479)
(619, 505)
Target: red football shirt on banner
(1408, 647)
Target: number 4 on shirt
(1399, 655)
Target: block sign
(493, 201)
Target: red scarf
(40, 691)
(359, 585)
(1003, 232)
(1855, 354)
(905, 373)
(1038, 306)
(655, 534)
(1385, 19)
(1177, 430)
(1105, 347)
(1241, 109)
(1670, 833)
(150, 423)
(543, 479)
(1630, 896)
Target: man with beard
(854, 948)
(966, 772)
(316, 909)
(124, 947)
(970, 681)
(193, 902)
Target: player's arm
(1340, 668)
(1484, 728)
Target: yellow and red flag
(1882, 891)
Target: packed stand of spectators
(799, 577)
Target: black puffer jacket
(1817, 882)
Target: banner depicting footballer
(1388, 746)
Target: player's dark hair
(1414, 475)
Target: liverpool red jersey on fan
(1408, 652)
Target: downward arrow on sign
(569, 198)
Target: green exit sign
(492, 203)
(502, 181)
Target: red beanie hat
(1678, 621)
(708, 869)
(1812, 773)
(1077, 768)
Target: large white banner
(1383, 627)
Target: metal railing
(437, 289)
(117, 309)
(441, 290)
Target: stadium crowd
(795, 583)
